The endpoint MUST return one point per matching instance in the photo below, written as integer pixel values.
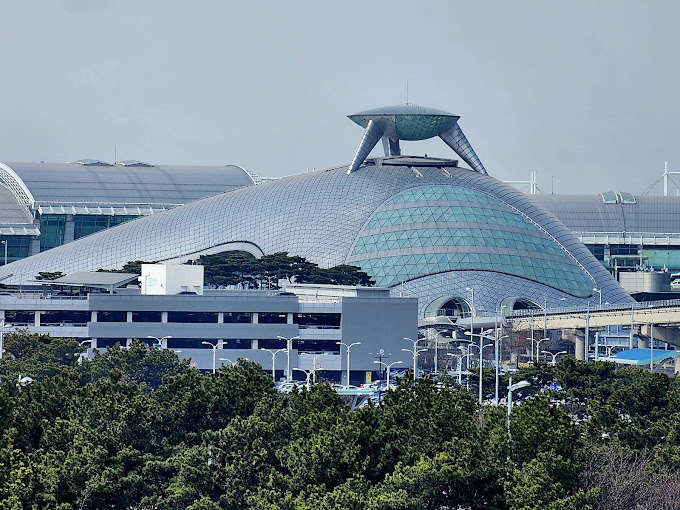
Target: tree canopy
(237, 268)
(266, 272)
(138, 428)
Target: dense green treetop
(237, 268)
(137, 428)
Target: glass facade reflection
(403, 240)
(84, 225)
(52, 230)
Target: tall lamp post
(554, 356)
(471, 290)
(482, 336)
(511, 388)
(214, 348)
(227, 359)
(599, 291)
(538, 343)
(436, 350)
(315, 358)
(415, 353)
(308, 375)
(5, 243)
(273, 353)
(388, 367)
(349, 346)
(289, 347)
(545, 318)
(3, 327)
(161, 340)
(80, 358)
(459, 358)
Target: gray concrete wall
(378, 324)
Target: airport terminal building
(455, 238)
(44, 205)
(449, 241)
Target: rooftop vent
(618, 197)
(133, 162)
(627, 198)
(609, 197)
(91, 162)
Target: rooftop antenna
(115, 154)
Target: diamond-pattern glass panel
(412, 236)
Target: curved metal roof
(68, 183)
(11, 211)
(317, 215)
(590, 213)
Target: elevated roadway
(666, 313)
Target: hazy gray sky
(582, 91)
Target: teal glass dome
(434, 229)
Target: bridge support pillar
(643, 342)
(578, 337)
(677, 366)
(667, 334)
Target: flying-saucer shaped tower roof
(410, 122)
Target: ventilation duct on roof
(91, 162)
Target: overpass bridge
(656, 320)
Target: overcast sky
(585, 93)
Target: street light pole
(349, 346)
(415, 353)
(160, 340)
(538, 343)
(5, 243)
(308, 375)
(554, 356)
(214, 348)
(497, 353)
(289, 347)
(495, 341)
(471, 290)
(532, 336)
(511, 388)
(459, 358)
(273, 353)
(3, 327)
(80, 355)
(587, 330)
(436, 350)
(545, 317)
(388, 367)
(315, 358)
(481, 357)
(599, 291)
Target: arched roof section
(12, 212)
(590, 213)
(102, 183)
(433, 308)
(16, 185)
(317, 215)
(510, 303)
